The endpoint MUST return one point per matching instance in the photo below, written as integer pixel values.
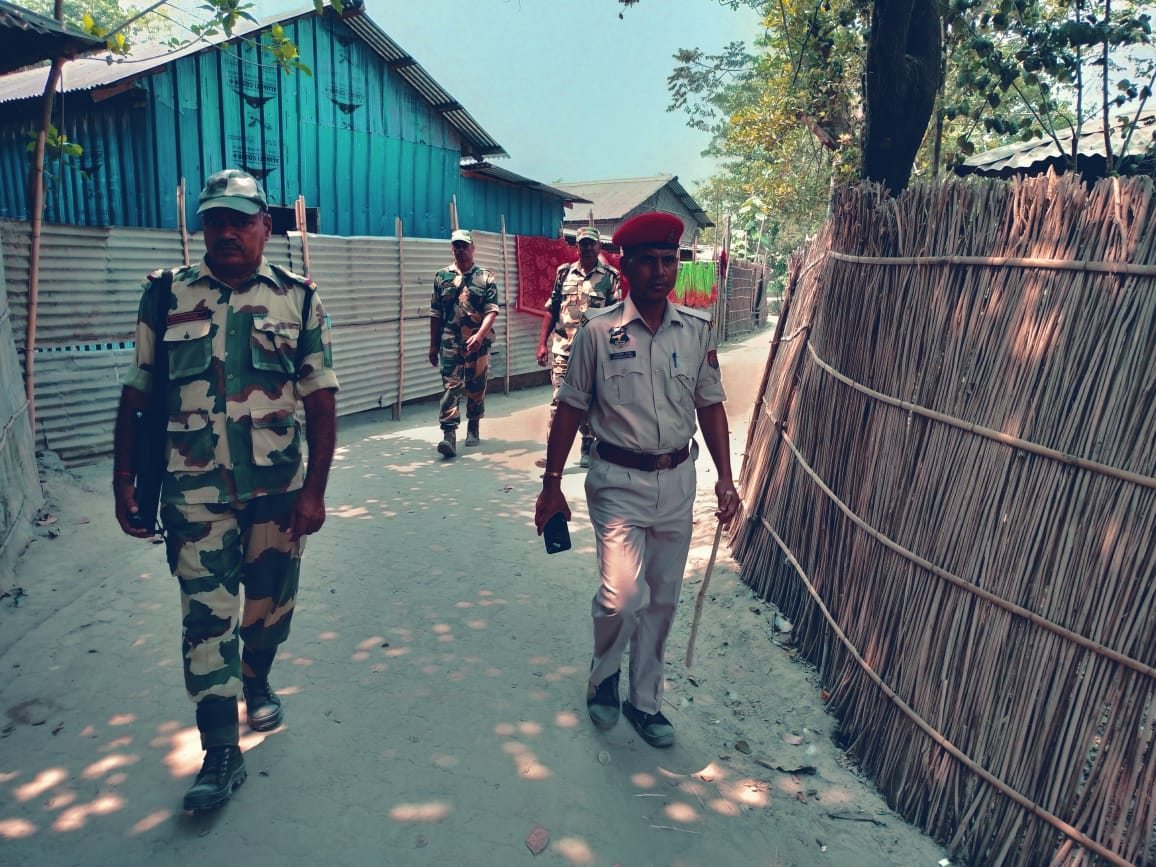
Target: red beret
(655, 229)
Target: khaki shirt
(574, 293)
(642, 388)
(240, 361)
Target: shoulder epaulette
(697, 313)
(565, 266)
(595, 312)
(291, 275)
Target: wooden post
(181, 220)
(398, 229)
(303, 228)
(506, 290)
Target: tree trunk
(901, 80)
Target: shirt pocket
(276, 437)
(622, 384)
(273, 346)
(190, 348)
(190, 443)
(681, 382)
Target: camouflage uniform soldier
(247, 343)
(462, 313)
(578, 286)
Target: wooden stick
(181, 220)
(702, 590)
(399, 230)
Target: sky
(569, 90)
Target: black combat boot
(262, 705)
(587, 443)
(222, 772)
(473, 433)
(449, 444)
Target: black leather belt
(642, 460)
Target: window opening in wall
(285, 221)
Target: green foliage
(786, 109)
(59, 152)
(1020, 69)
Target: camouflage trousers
(214, 550)
(557, 374)
(463, 374)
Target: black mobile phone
(556, 534)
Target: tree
(901, 79)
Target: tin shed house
(367, 138)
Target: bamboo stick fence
(950, 488)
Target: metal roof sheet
(614, 199)
(506, 176)
(27, 37)
(1020, 156)
(91, 73)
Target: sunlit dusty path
(433, 689)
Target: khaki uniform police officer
(644, 369)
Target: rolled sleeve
(490, 298)
(140, 376)
(577, 389)
(709, 388)
(315, 370)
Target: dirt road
(433, 689)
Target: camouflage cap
(235, 190)
(586, 232)
(462, 235)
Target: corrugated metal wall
(359, 143)
(375, 290)
(19, 485)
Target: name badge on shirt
(617, 356)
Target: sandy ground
(433, 688)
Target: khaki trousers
(642, 524)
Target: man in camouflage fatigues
(462, 313)
(247, 343)
(578, 286)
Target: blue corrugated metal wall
(362, 146)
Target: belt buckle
(664, 462)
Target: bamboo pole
(303, 228)
(399, 231)
(36, 226)
(181, 223)
(1143, 270)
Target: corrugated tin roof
(91, 73)
(508, 177)
(27, 37)
(1021, 156)
(614, 199)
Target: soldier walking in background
(643, 369)
(462, 313)
(247, 342)
(588, 283)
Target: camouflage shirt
(574, 293)
(461, 301)
(240, 361)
